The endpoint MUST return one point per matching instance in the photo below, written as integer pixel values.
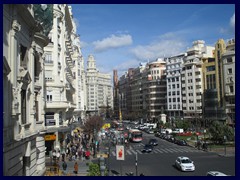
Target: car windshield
(153, 140)
(186, 161)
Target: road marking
(138, 151)
(174, 150)
(129, 152)
(158, 150)
(133, 151)
(164, 150)
(155, 151)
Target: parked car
(184, 164)
(153, 142)
(181, 142)
(215, 173)
(150, 131)
(147, 148)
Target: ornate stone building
(24, 37)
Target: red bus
(135, 135)
(117, 125)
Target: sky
(120, 36)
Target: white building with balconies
(174, 86)
(99, 91)
(192, 81)
(60, 78)
(228, 62)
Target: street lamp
(102, 165)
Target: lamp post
(225, 149)
(102, 165)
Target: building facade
(25, 35)
(60, 78)
(192, 82)
(79, 74)
(228, 62)
(99, 90)
(174, 87)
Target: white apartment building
(60, 80)
(24, 36)
(174, 87)
(79, 73)
(192, 81)
(98, 88)
(228, 62)
(156, 85)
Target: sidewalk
(82, 167)
(230, 151)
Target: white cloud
(231, 28)
(232, 21)
(83, 44)
(166, 45)
(113, 41)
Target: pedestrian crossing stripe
(139, 152)
(174, 150)
(161, 150)
(158, 150)
(129, 152)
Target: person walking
(64, 166)
(76, 168)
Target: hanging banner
(120, 154)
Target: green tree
(183, 124)
(94, 169)
(218, 131)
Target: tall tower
(115, 93)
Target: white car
(184, 164)
(215, 173)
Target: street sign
(120, 154)
(50, 137)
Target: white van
(178, 130)
(166, 131)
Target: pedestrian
(58, 155)
(79, 154)
(64, 166)
(54, 156)
(63, 156)
(76, 168)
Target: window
(231, 89)
(23, 56)
(230, 71)
(49, 96)
(24, 106)
(169, 99)
(229, 60)
(48, 58)
(210, 68)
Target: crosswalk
(158, 150)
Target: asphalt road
(160, 162)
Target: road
(160, 162)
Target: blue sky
(121, 36)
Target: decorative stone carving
(15, 103)
(16, 26)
